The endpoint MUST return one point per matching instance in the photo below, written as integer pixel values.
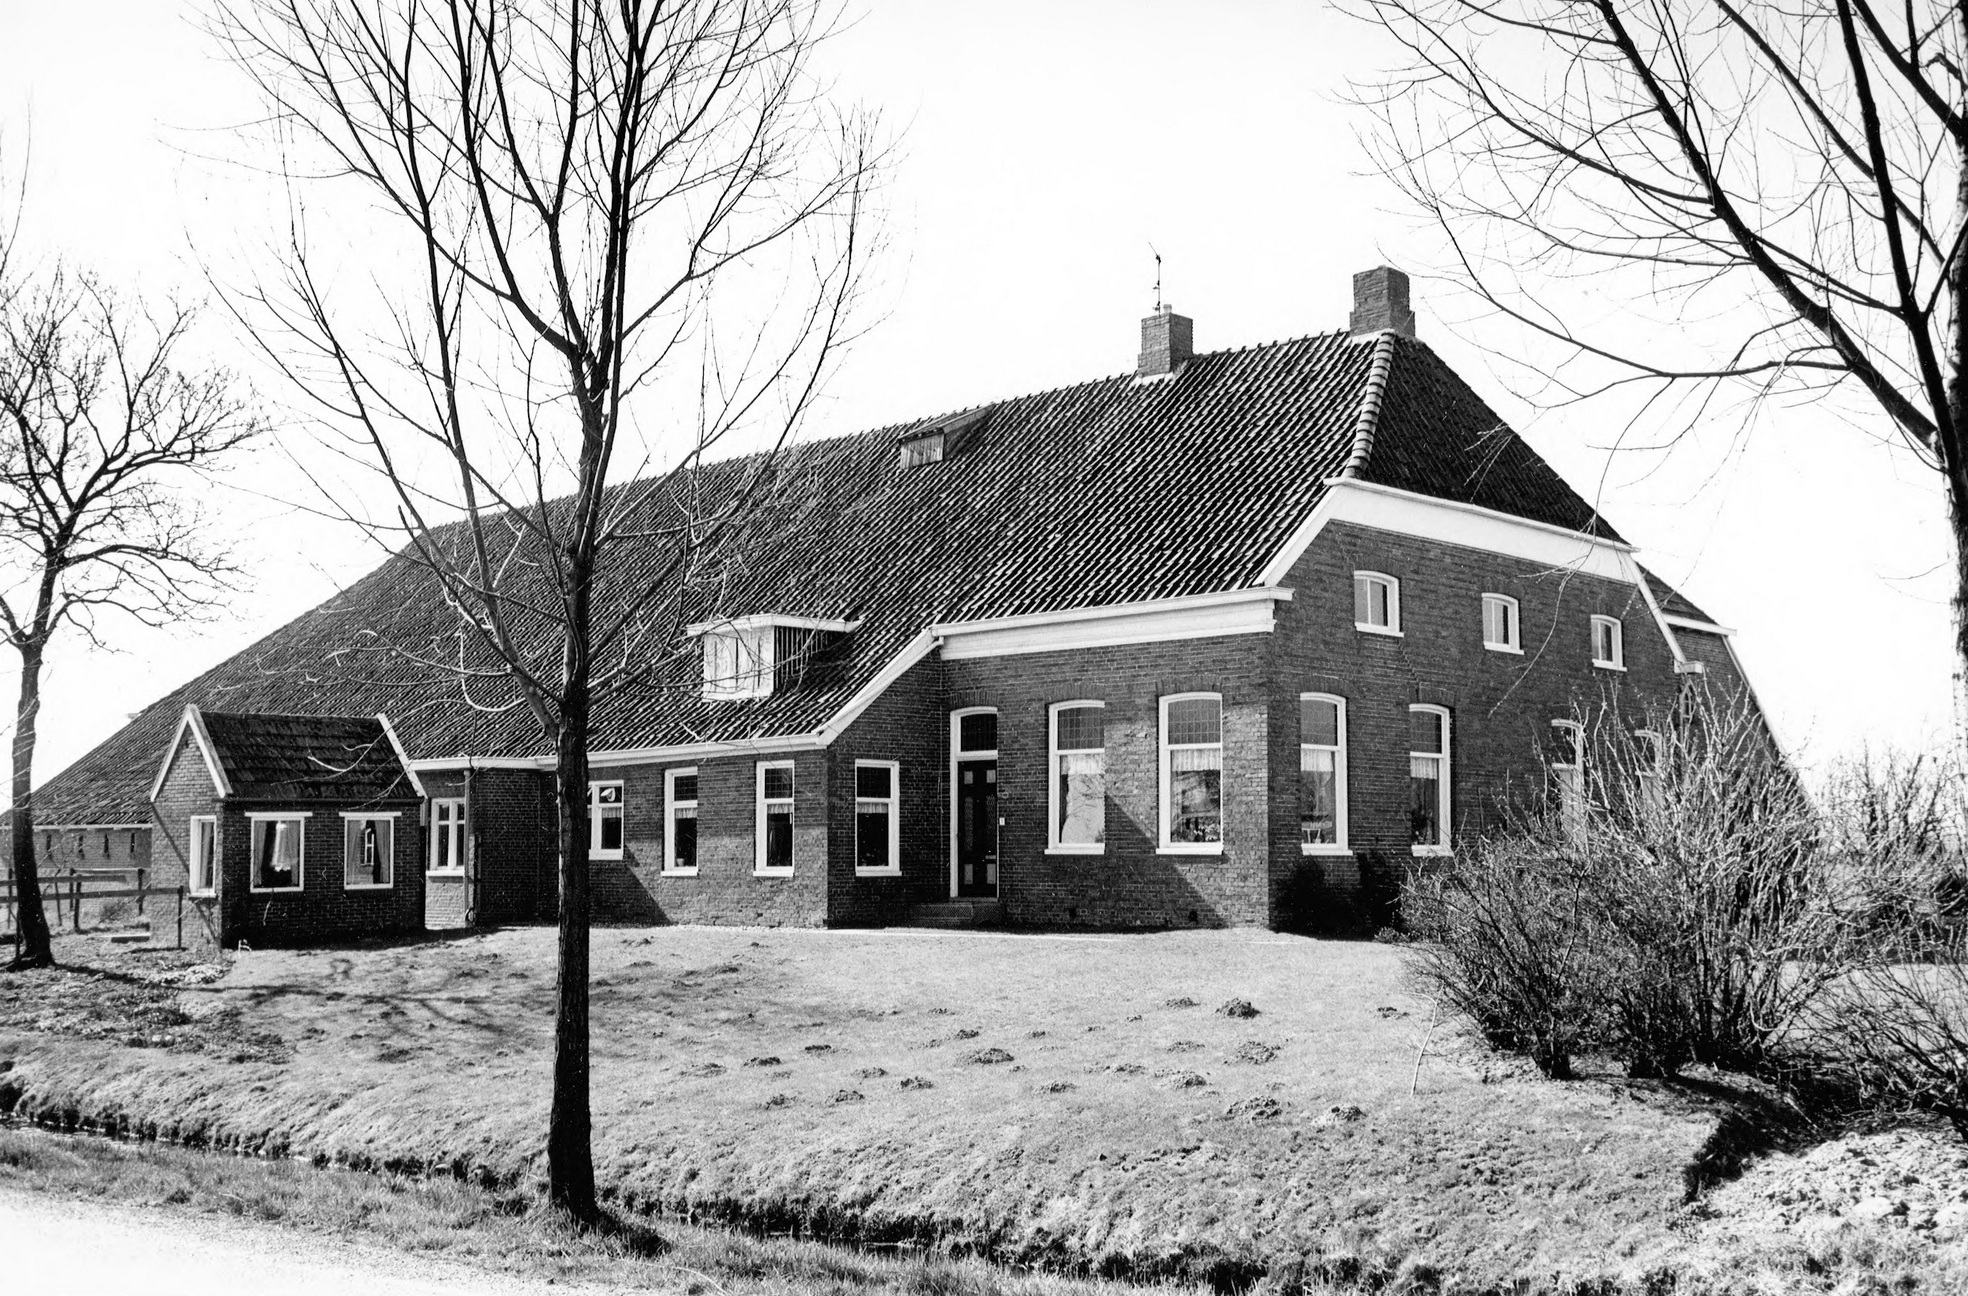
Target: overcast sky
(1045, 145)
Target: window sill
(210, 893)
(604, 857)
(368, 886)
(772, 873)
(1432, 851)
(1504, 648)
(1197, 848)
(292, 890)
(1324, 848)
(878, 872)
(1612, 666)
(444, 873)
(1389, 631)
(678, 872)
(1070, 849)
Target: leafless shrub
(1670, 901)
(1898, 1028)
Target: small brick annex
(1196, 526)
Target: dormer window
(744, 657)
(738, 663)
(934, 440)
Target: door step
(958, 914)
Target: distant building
(1154, 650)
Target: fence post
(181, 917)
(140, 888)
(75, 900)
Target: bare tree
(107, 441)
(614, 238)
(1784, 184)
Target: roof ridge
(1370, 398)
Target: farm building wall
(323, 908)
(725, 887)
(1500, 704)
(908, 724)
(510, 823)
(71, 846)
(447, 896)
(1132, 882)
(186, 791)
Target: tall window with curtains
(1192, 772)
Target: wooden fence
(68, 888)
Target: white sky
(1046, 144)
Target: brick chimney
(1167, 341)
(1380, 301)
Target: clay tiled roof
(267, 757)
(1113, 491)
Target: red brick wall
(323, 909)
(447, 897)
(513, 846)
(725, 889)
(1131, 883)
(187, 791)
(909, 724)
(1501, 705)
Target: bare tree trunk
(36, 946)
(570, 1159)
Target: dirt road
(63, 1247)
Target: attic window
(742, 655)
(738, 662)
(934, 440)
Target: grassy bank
(1079, 1104)
(444, 1219)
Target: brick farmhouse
(1179, 647)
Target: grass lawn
(1074, 1102)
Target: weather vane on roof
(1158, 275)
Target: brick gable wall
(909, 724)
(186, 791)
(1501, 705)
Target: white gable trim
(1196, 616)
(1704, 627)
(1661, 622)
(402, 757)
(1389, 509)
(195, 722)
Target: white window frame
(1571, 774)
(1339, 846)
(1515, 642)
(741, 643)
(1444, 800)
(1053, 845)
(894, 803)
(1393, 584)
(297, 817)
(595, 849)
(1165, 846)
(1618, 660)
(456, 828)
(198, 862)
(670, 807)
(957, 754)
(760, 807)
(366, 816)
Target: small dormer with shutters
(934, 440)
(755, 656)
